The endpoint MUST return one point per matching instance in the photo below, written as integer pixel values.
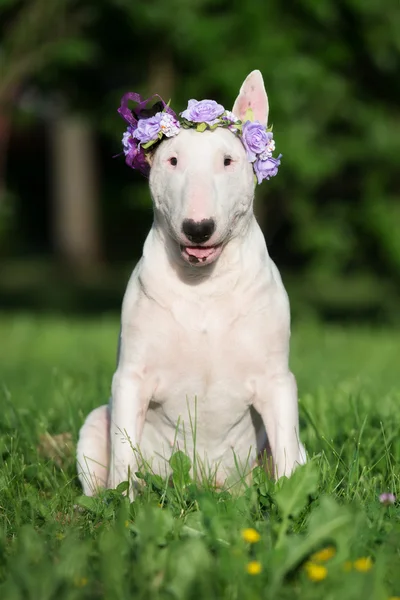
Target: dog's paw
(303, 455)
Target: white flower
(269, 149)
(169, 125)
(230, 116)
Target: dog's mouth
(200, 255)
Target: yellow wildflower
(363, 564)
(127, 523)
(315, 572)
(394, 598)
(324, 554)
(254, 567)
(348, 565)
(250, 535)
(80, 581)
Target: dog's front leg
(128, 413)
(278, 406)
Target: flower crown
(148, 126)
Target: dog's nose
(198, 231)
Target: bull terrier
(205, 327)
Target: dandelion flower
(363, 564)
(80, 582)
(254, 567)
(251, 536)
(315, 572)
(324, 554)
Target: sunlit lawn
(188, 542)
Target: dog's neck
(163, 267)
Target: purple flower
(203, 111)
(136, 159)
(387, 498)
(148, 129)
(266, 168)
(127, 139)
(255, 138)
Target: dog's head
(202, 184)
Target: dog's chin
(200, 256)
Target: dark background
(73, 218)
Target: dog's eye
(227, 161)
(173, 161)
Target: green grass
(185, 541)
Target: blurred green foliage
(331, 71)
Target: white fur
(203, 363)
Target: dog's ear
(252, 96)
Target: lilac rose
(203, 111)
(255, 138)
(148, 129)
(266, 168)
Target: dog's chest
(205, 355)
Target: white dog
(204, 344)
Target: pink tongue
(199, 252)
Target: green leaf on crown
(201, 127)
(212, 127)
(148, 144)
(185, 123)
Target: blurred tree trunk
(75, 219)
(36, 34)
(161, 76)
(7, 98)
